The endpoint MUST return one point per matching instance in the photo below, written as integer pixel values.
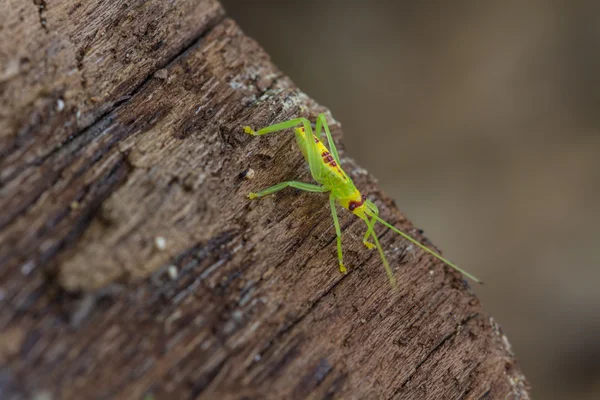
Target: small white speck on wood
(172, 272)
(160, 243)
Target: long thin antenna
(427, 249)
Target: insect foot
(252, 196)
(343, 269)
(369, 245)
(249, 131)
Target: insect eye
(352, 206)
(364, 197)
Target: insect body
(325, 168)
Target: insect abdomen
(328, 159)
(331, 166)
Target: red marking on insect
(354, 204)
(328, 159)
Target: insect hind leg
(322, 123)
(307, 187)
(312, 154)
(276, 127)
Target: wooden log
(132, 265)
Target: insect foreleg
(338, 233)
(298, 185)
(370, 224)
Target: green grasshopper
(325, 168)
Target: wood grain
(133, 265)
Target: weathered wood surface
(131, 262)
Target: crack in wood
(105, 116)
(486, 394)
(41, 8)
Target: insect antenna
(415, 242)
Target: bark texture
(133, 266)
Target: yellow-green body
(325, 168)
(332, 175)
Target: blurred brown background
(481, 118)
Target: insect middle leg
(338, 233)
(298, 185)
